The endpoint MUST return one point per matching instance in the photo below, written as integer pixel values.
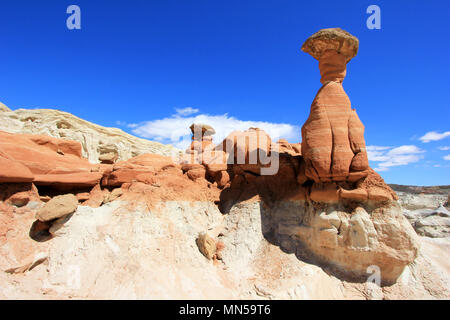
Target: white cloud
(175, 129)
(377, 148)
(434, 136)
(391, 157)
(377, 153)
(447, 157)
(410, 149)
(444, 148)
(186, 111)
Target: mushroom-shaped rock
(201, 137)
(333, 143)
(331, 39)
(334, 48)
(206, 130)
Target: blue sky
(133, 63)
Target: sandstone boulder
(58, 207)
(115, 194)
(195, 174)
(96, 197)
(108, 158)
(206, 245)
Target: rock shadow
(284, 203)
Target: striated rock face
(142, 168)
(333, 143)
(334, 39)
(13, 171)
(46, 161)
(99, 144)
(346, 239)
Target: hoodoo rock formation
(201, 137)
(333, 143)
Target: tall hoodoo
(333, 143)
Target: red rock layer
(151, 178)
(45, 161)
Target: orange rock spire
(333, 143)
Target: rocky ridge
(427, 209)
(98, 144)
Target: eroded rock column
(333, 143)
(201, 137)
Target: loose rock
(206, 245)
(58, 207)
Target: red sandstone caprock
(333, 143)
